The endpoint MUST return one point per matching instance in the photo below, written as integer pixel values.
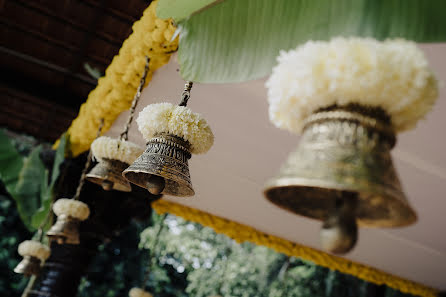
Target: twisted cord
(87, 165)
(124, 134)
(186, 93)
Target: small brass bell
(108, 174)
(163, 167)
(65, 230)
(33, 253)
(342, 169)
(28, 266)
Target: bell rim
(121, 186)
(110, 170)
(33, 261)
(188, 186)
(54, 235)
(322, 184)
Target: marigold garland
(114, 93)
(242, 233)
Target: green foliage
(27, 190)
(241, 39)
(117, 266)
(214, 265)
(11, 162)
(26, 180)
(12, 233)
(180, 9)
(47, 190)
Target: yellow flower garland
(242, 233)
(114, 93)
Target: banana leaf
(27, 191)
(47, 191)
(234, 41)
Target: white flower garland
(72, 208)
(393, 75)
(35, 249)
(137, 292)
(111, 148)
(177, 120)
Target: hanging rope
(152, 251)
(124, 134)
(87, 165)
(186, 93)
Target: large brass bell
(108, 174)
(28, 266)
(342, 169)
(65, 230)
(163, 167)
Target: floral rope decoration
(151, 37)
(242, 233)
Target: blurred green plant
(27, 180)
(213, 264)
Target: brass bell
(65, 230)
(343, 162)
(28, 266)
(163, 167)
(108, 174)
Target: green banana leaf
(234, 40)
(47, 191)
(27, 191)
(11, 163)
(181, 9)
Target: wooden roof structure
(45, 47)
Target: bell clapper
(107, 185)
(339, 231)
(155, 184)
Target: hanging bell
(163, 167)
(108, 174)
(33, 253)
(343, 162)
(65, 230)
(28, 266)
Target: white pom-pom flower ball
(72, 208)
(176, 120)
(34, 249)
(115, 149)
(393, 75)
